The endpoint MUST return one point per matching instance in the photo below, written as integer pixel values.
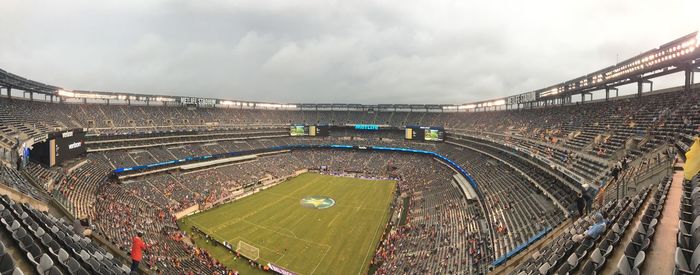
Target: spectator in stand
(580, 204)
(137, 248)
(588, 199)
(595, 230)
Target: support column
(583, 97)
(639, 88)
(689, 75)
(607, 93)
(9, 92)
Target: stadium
(571, 178)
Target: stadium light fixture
(66, 93)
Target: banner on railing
(280, 269)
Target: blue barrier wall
(305, 146)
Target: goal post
(248, 251)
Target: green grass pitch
(336, 240)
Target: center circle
(317, 202)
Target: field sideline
(340, 239)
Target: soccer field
(311, 224)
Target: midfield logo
(317, 202)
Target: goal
(248, 251)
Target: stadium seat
(33, 254)
(569, 265)
(630, 265)
(589, 269)
(648, 229)
(7, 265)
(94, 265)
(686, 228)
(45, 263)
(62, 255)
(14, 226)
(597, 259)
(20, 235)
(73, 267)
(640, 242)
(53, 271)
(687, 261)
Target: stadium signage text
(370, 127)
(74, 145)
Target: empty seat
(589, 269)
(544, 268)
(569, 265)
(13, 226)
(73, 267)
(33, 253)
(597, 259)
(647, 229)
(52, 271)
(7, 265)
(630, 265)
(639, 242)
(45, 263)
(62, 255)
(687, 261)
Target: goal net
(248, 251)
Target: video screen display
(309, 130)
(425, 133)
(69, 145)
(298, 130)
(432, 135)
(59, 147)
(322, 130)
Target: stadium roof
(678, 55)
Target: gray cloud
(329, 51)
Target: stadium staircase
(660, 258)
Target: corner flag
(692, 160)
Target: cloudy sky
(438, 51)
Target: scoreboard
(59, 147)
(309, 130)
(423, 133)
(318, 130)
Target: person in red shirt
(137, 248)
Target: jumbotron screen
(298, 130)
(425, 133)
(309, 130)
(59, 147)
